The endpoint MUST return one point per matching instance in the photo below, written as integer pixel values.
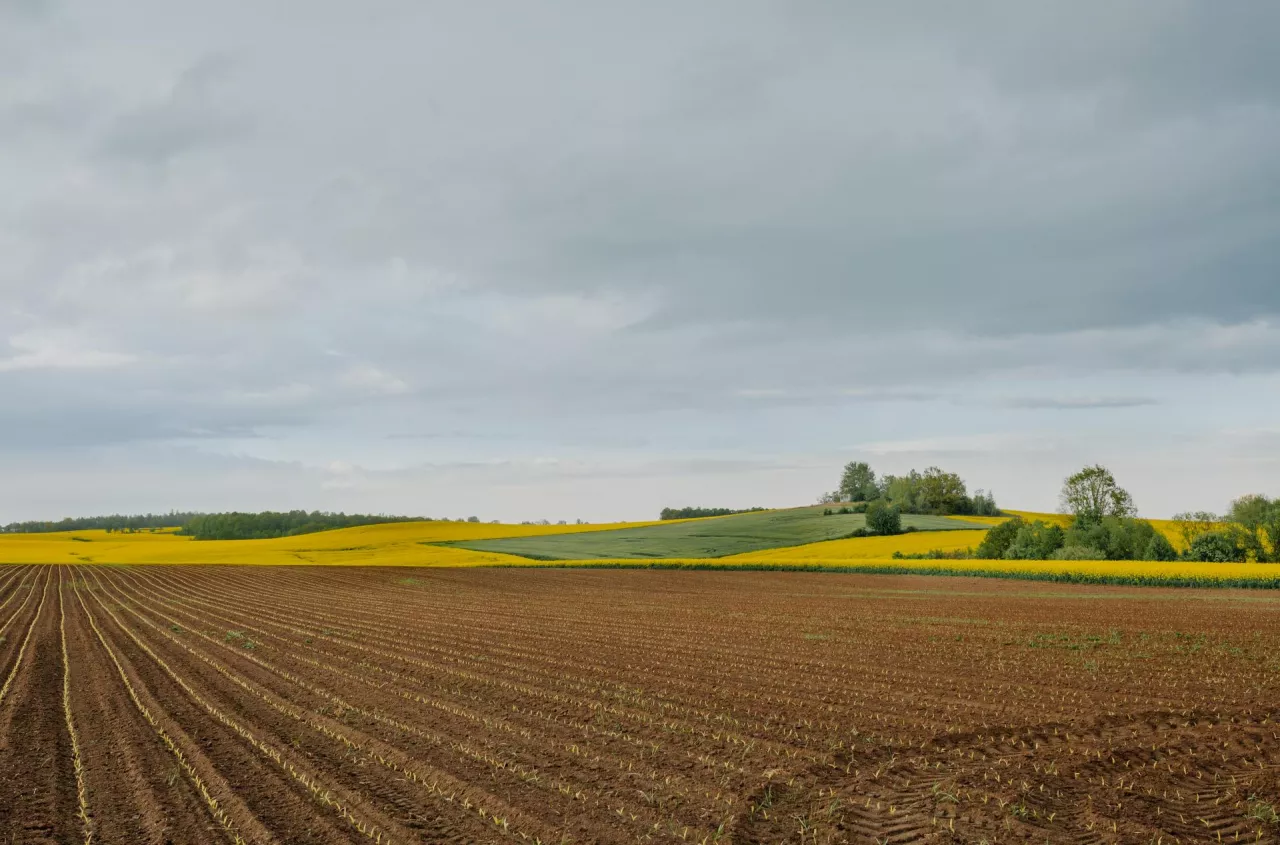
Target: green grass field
(701, 538)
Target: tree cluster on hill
(695, 513)
(268, 524)
(114, 522)
(1250, 530)
(1104, 527)
(1110, 538)
(930, 492)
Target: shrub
(883, 518)
(1078, 553)
(935, 554)
(1215, 547)
(1160, 549)
(1120, 537)
(1036, 541)
(1255, 523)
(998, 539)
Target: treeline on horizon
(697, 513)
(113, 523)
(269, 524)
(234, 525)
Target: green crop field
(701, 538)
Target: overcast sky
(587, 259)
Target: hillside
(707, 538)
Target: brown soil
(292, 705)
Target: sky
(583, 260)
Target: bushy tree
(1160, 548)
(1215, 547)
(984, 504)
(903, 491)
(998, 539)
(1255, 522)
(1120, 537)
(883, 518)
(1036, 541)
(858, 482)
(1192, 524)
(942, 493)
(1092, 493)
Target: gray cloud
(189, 117)
(658, 233)
(1079, 403)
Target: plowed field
(191, 704)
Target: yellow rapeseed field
(390, 544)
(868, 548)
(409, 544)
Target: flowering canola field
(413, 544)
(389, 544)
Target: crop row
(566, 706)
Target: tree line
(933, 491)
(268, 524)
(113, 523)
(695, 513)
(1104, 526)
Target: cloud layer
(656, 242)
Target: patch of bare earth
(295, 705)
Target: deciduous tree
(1092, 493)
(858, 482)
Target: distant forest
(268, 524)
(694, 513)
(213, 526)
(115, 522)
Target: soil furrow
(37, 776)
(316, 705)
